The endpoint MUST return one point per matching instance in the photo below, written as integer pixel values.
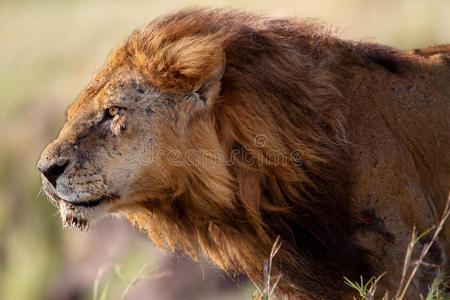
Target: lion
(218, 131)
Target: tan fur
(236, 129)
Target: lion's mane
(276, 85)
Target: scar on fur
(371, 221)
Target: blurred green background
(49, 49)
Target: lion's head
(216, 132)
(127, 135)
(113, 149)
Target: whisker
(106, 189)
(39, 193)
(55, 214)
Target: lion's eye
(113, 111)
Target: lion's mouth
(80, 214)
(92, 203)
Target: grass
(439, 288)
(268, 291)
(366, 289)
(143, 274)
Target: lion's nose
(53, 169)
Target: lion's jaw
(82, 197)
(78, 204)
(81, 217)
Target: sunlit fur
(233, 78)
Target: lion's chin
(79, 215)
(75, 222)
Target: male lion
(218, 131)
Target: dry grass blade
(266, 280)
(267, 292)
(275, 247)
(141, 275)
(98, 277)
(401, 292)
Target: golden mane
(276, 86)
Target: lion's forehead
(111, 79)
(130, 90)
(86, 105)
(123, 88)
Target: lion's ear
(209, 89)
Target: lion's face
(106, 145)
